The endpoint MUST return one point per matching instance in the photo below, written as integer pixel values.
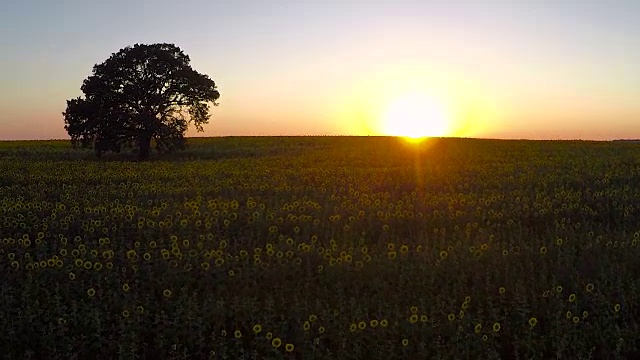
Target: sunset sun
(415, 116)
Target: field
(322, 248)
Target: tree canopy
(141, 96)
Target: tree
(141, 95)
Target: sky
(535, 70)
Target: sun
(416, 116)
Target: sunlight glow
(416, 101)
(416, 116)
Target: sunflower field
(322, 248)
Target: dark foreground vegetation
(322, 248)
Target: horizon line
(366, 136)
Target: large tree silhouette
(140, 95)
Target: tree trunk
(144, 146)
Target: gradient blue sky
(549, 70)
